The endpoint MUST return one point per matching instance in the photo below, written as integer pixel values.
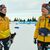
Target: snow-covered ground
(24, 36)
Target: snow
(24, 36)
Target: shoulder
(39, 18)
(7, 18)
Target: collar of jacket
(48, 16)
(2, 15)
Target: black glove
(11, 41)
(35, 40)
(12, 37)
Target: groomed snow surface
(24, 36)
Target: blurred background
(23, 8)
(23, 15)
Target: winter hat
(2, 6)
(44, 5)
(47, 6)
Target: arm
(36, 31)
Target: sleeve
(36, 30)
(8, 21)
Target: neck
(44, 15)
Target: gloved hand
(11, 41)
(35, 40)
(12, 37)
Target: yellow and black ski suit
(43, 22)
(4, 28)
(4, 32)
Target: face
(4, 10)
(44, 11)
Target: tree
(28, 19)
(20, 20)
(24, 20)
(16, 19)
(34, 19)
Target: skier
(42, 31)
(6, 38)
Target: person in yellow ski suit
(43, 23)
(5, 33)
